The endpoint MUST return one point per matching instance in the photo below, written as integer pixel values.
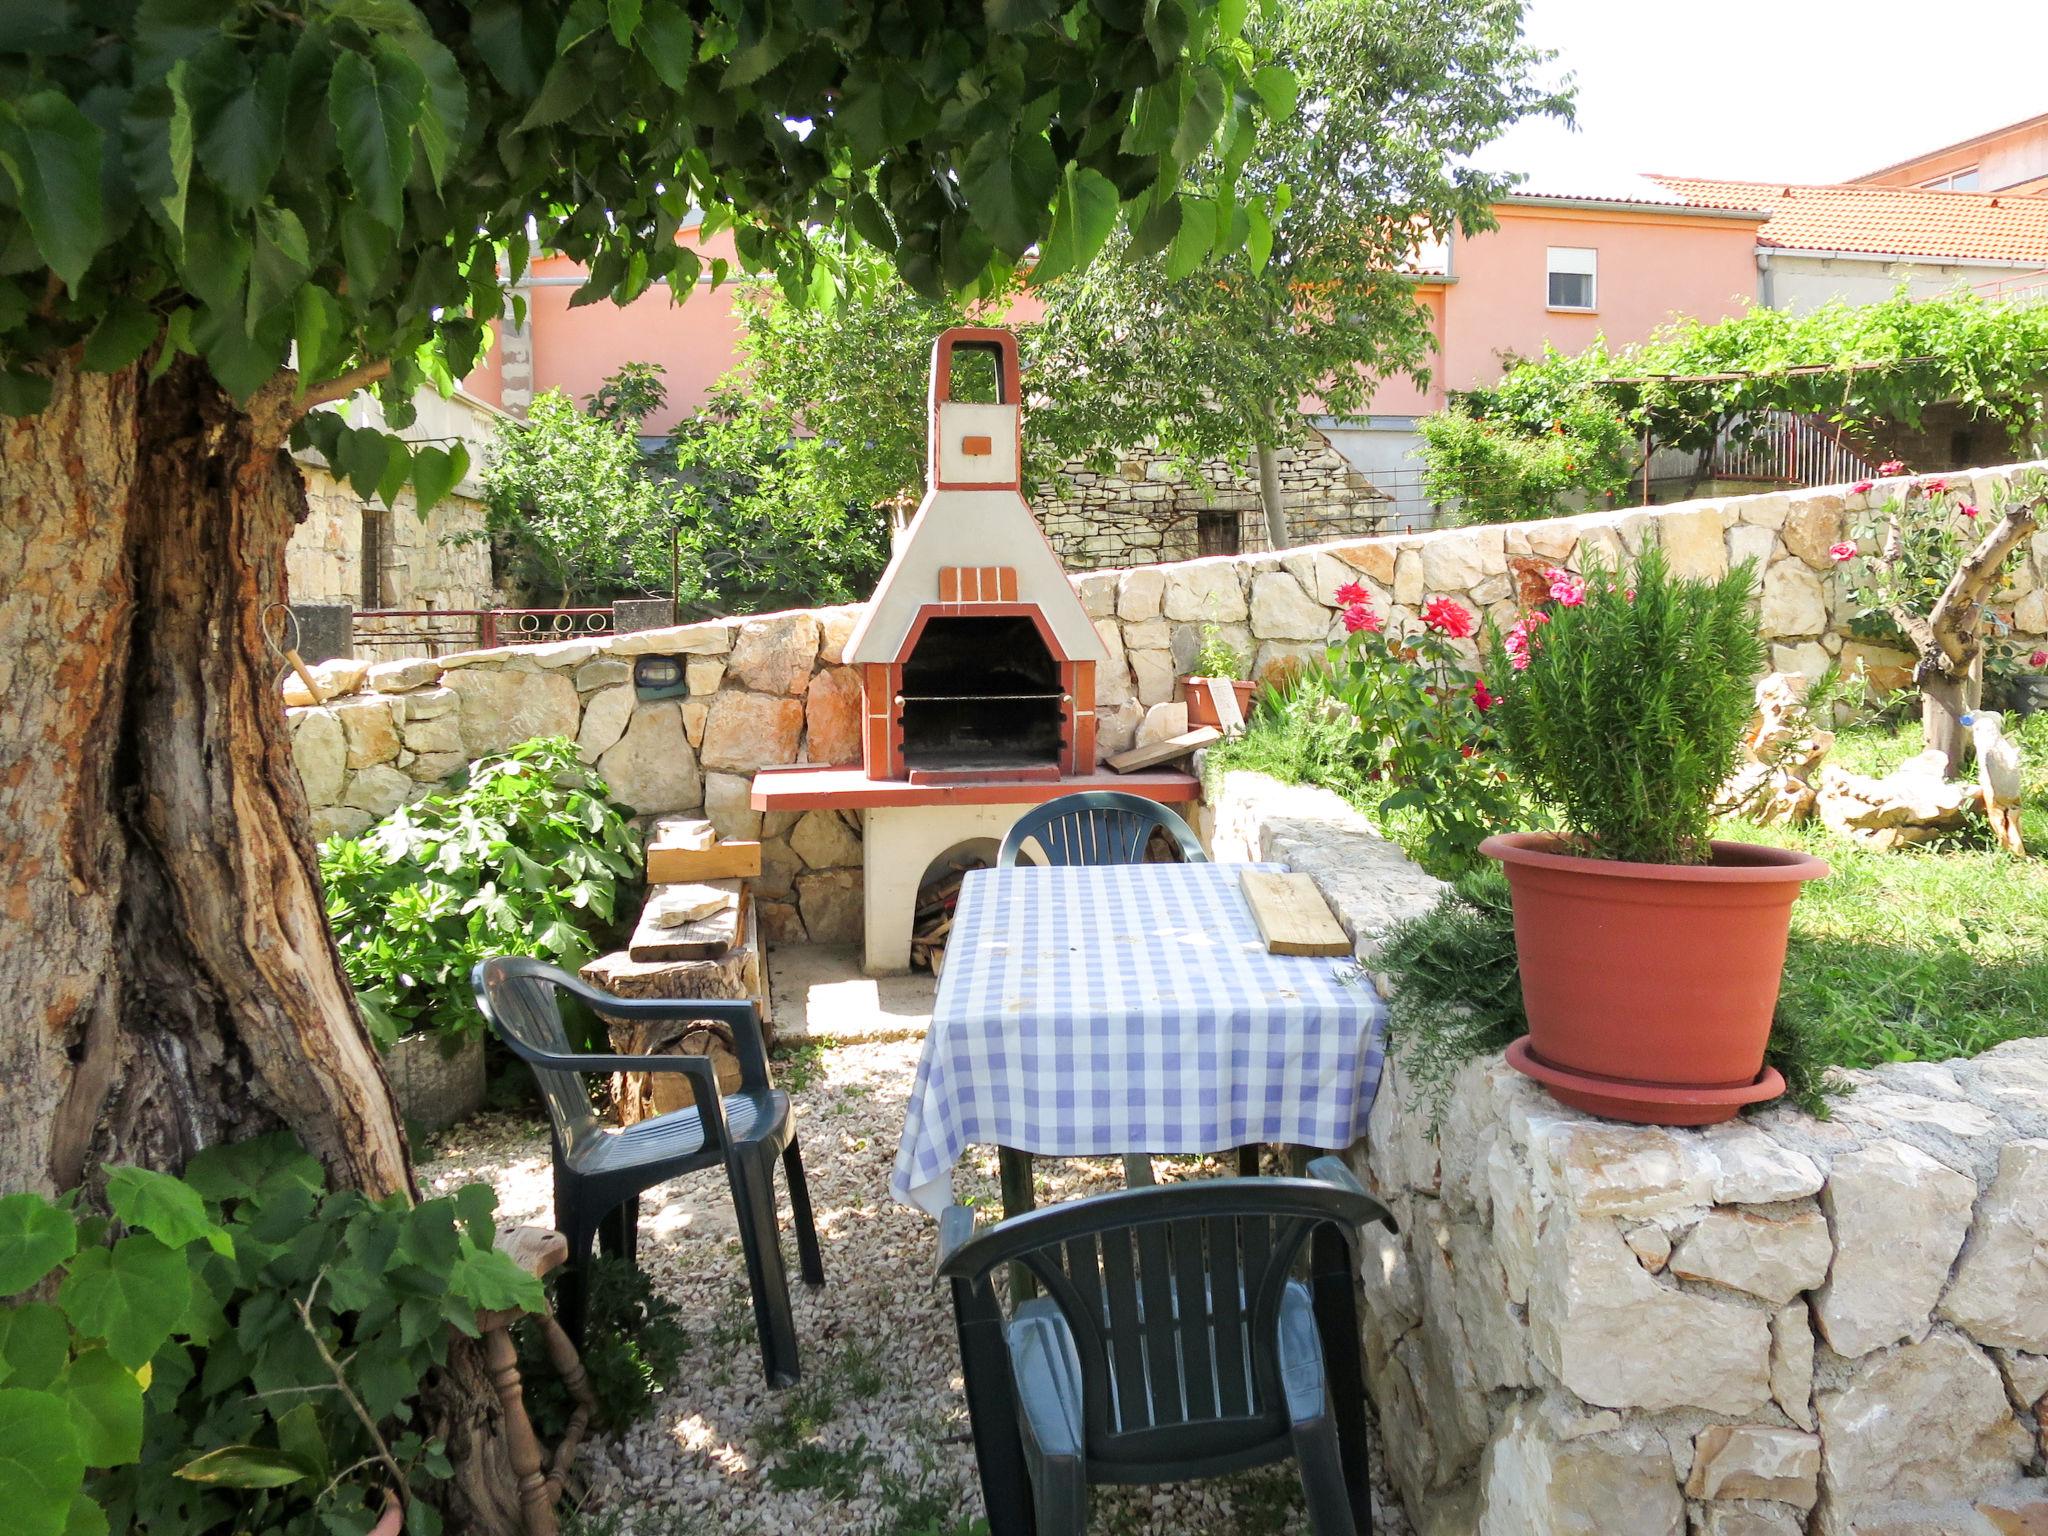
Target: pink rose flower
(1358, 616)
(2038, 659)
(1891, 467)
(1861, 487)
(1516, 643)
(1967, 509)
(1351, 594)
(1448, 618)
(1935, 486)
(1566, 588)
(1840, 552)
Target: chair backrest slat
(1196, 1303)
(1226, 1280)
(1162, 1341)
(1126, 1348)
(1096, 827)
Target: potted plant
(1217, 658)
(1650, 954)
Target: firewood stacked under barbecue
(935, 903)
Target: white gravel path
(873, 1442)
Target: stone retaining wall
(1778, 1326)
(774, 688)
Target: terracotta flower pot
(1202, 708)
(1650, 987)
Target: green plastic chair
(1172, 1342)
(1098, 826)
(601, 1170)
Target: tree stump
(738, 973)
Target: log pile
(933, 921)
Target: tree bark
(171, 977)
(1269, 496)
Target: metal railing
(1777, 447)
(390, 633)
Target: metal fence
(386, 634)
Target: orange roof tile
(1885, 221)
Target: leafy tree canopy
(359, 179)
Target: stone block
(1539, 1482)
(404, 675)
(630, 614)
(1281, 610)
(1813, 524)
(605, 718)
(603, 672)
(337, 677)
(1408, 583)
(1755, 1461)
(1899, 1218)
(775, 653)
(1602, 1168)
(695, 712)
(1204, 591)
(831, 906)
(1097, 591)
(1113, 683)
(1456, 560)
(1924, 1421)
(1373, 558)
(823, 840)
(832, 717)
(1750, 1168)
(320, 753)
(1619, 1339)
(432, 767)
(727, 806)
(651, 768)
(1771, 1256)
(431, 704)
(710, 639)
(378, 790)
(1162, 722)
(1139, 593)
(370, 723)
(745, 731)
(1792, 1363)
(2000, 1291)
(498, 710)
(1794, 602)
(1153, 675)
(703, 674)
(1692, 543)
(835, 628)
(1150, 635)
(327, 821)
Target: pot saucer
(1621, 1098)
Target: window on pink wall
(1571, 277)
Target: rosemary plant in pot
(1650, 954)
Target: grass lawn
(1919, 954)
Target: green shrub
(248, 1356)
(1623, 708)
(633, 1342)
(1457, 987)
(524, 853)
(1498, 470)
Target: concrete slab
(821, 993)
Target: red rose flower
(1351, 594)
(1448, 618)
(1359, 616)
(1891, 467)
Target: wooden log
(1164, 751)
(1292, 916)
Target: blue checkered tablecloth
(1131, 1008)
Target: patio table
(1133, 1008)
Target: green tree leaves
(51, 152)
(374, 100)
(132, 1295)
(1083, 218)
(40, 1463)
(170, 1208)
(35, 1238)
(237, 118)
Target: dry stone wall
(1146, 510)
(775, 689)
(1782, 1326)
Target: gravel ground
(873, 1442)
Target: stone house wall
(1781, 1326)
(1145, 510)
(774, 688)
(421, 568)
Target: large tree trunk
(171, 979)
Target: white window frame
(1572, 261)
(1946, 182)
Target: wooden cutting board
(1292, 916)
(703, 938)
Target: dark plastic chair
(1172, 1343)
(601, 1170)
(1098, 826)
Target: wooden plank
(682, 832)
(705, 939)
(673, 906)
(1292, 916)
(723, 861)
(1223, 699)
(1164, 751)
